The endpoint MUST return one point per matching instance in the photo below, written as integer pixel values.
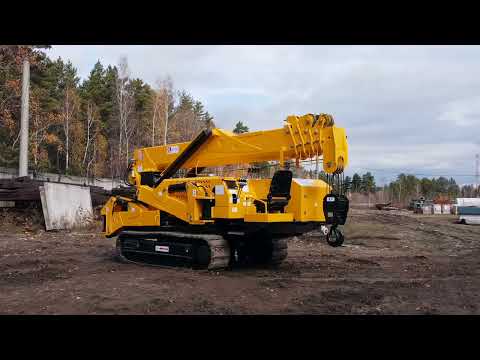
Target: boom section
(302, 137)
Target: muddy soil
(391, 263)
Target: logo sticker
(173, 149)
(164, 249)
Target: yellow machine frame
(227, 199)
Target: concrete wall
(107, 184)
(66, 206)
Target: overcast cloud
(405, 108)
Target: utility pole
(23, 160)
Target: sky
(412, 109)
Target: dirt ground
(391, 263)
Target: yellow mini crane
(213, 221)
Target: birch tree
(158, 105)
(160, 113)
(125, 103)
(90, 134)
(69, 111)
(89, 127)
(163, 110)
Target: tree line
(361, 183)
(407, 187)
(91, 127)
(402, 190)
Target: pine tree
(356, 183)
(240, 128)
(348, 183)
(367, 183)
(74, 127)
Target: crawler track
(261, 249)
(167, 249)
(198, 251)
(279, 251)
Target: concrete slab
(48, 224)
(446, 209)
(65, 206)
(427, 209)
(437, 209)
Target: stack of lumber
(386, 207)
(26, 189)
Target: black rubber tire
(335, 237)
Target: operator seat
(279, 193)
